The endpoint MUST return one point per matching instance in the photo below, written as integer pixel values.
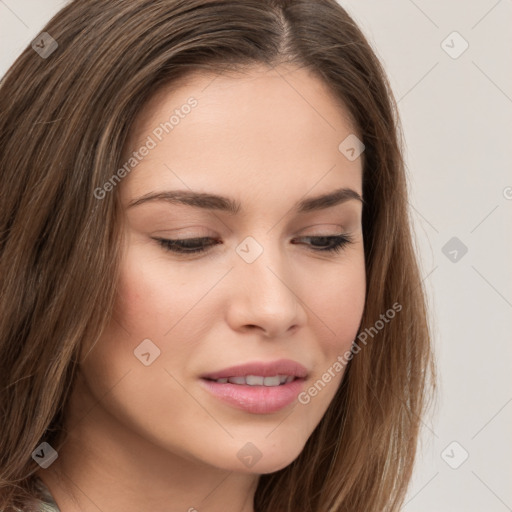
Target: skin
(150, 437)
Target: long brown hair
(64, 120)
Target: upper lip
(263, 369)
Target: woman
(210, 298)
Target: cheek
(152, 299)
(163, 301)
(141, 290)
(337, 301)
(340, 305)
(152, 294)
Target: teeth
(271, 381)
(237, 380)
(258, 380)
(253, 380)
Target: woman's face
(262, 291)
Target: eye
(335, 243)
(186, 246)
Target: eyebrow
(233, 207)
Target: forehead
(281, 127)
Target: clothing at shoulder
(44, 501)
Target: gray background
(457, 120)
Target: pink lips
(281, 367)
(258, 399)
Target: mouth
(260, 373)
(256, 380)
(257, 388)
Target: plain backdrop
(450, 68)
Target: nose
(265, 296)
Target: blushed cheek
(144, 293)
(152, 294)
(344, 310)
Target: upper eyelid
(349, 236)
(192, 231)
(339, 240)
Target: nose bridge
(263, 263)
(265, 295)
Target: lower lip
(256, 399)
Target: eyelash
(178, 246)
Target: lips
(258, 388)
(257, 380)
(282, 367)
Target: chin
(262, 457)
